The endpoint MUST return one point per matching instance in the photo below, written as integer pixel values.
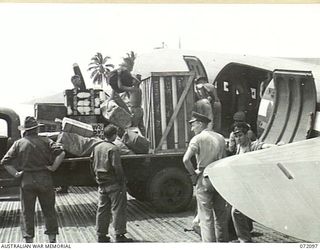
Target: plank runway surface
(76, 218)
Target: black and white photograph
(159, 123)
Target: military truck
(158, 176)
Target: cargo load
(168, 100)
(81, 146)
(80, 128)
(92, 120)
(83, 102)
(136, 142)
(115, 114)
(47, 113)
(76, 144)
(124, 150)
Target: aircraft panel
(278, 187)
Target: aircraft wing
(278, 187)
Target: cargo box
(80, 128)
(83, 102)
(115, 114)
(92, 120)
(137, 143)
(85, 118)
(49, 126)
(49, 111)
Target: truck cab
(9, 121)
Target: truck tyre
(137, 189)
(170, 190)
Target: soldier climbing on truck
(120, 80)
(135, 99)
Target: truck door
(287, 107)
(3, 137)
(9, 121)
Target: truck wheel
(170, 190)
(137, 189)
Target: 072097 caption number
(309, 245)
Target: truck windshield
(3, 128)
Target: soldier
(239, 117)
(120, 81)
(112, 188)
(243, 224)
(135, 95)
(207, 146)
(203, 104)
(76, 81)
(34, 155)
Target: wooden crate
(89, 119)
(83, 102)
(49, 111)
(49, 126)
(80, 128)
(92, 120)
(116, 115)
(168, 99)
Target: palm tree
(128, 61)
(100, 69)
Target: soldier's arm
(57, 162)
(116, 163)
(11, 170)
(232, 143)
(56, 148)
(11, 154)
(256, 145)
(188, 164)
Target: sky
(40, 42)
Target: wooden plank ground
(76, 218)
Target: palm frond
(109, 66)
(92, 63)
(93, 73)
(100, 57)
(106, 59)
(95, 78)
(93, 67)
